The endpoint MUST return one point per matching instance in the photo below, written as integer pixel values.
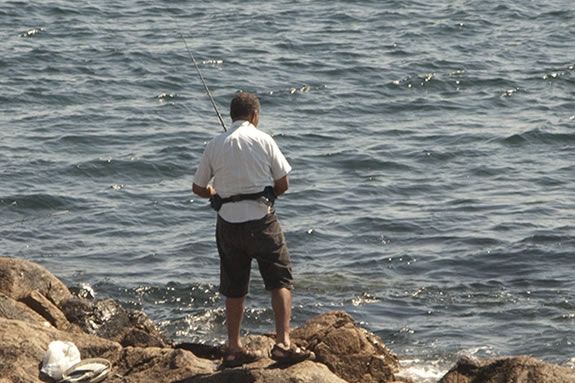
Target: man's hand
(206, 192)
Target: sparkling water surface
(433, 147)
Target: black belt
(216, 201)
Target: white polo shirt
(243, 160)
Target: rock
(19, 277)
(139, 338)
(235, 375)
(36, 309)
(49, 311)
(24, 345)
(107, 319)
(83, 291)
(261, 343)
(143, 365)
(139, 353)
(202, 350)
(12, 309)
(351, 352)
(145, 330)
(267, 372)
(520, 369)
(305, 372)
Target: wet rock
(520, 369)
(351, 352)
(107, 319)
(83, 291)
(103, 318)
(19, 277)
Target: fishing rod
(204, 82)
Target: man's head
(245, 106)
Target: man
(242, 162)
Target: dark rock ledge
(37, 308)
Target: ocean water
(433, 147)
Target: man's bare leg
(234, 316)
(281, 304)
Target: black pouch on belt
(216, 201)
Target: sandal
(87, 371)
(291, 355)
(238, 358)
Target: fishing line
(48, 216)
(204, 82)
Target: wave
(41, 202)
(130, 169)
(539, 136)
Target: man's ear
(254, 117)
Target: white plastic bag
(59, 357)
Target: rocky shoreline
(36, 308)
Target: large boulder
(521, 369)
(19, 277)
(351, 352)
(262, 371)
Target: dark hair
(243, 104)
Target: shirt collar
(236, 124)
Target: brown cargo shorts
(239, 243)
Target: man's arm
(206, 192)
(281, 185)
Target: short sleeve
(204, 172)
(279, 165)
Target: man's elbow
(281, 186)
(200, 191)
(195, 189)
